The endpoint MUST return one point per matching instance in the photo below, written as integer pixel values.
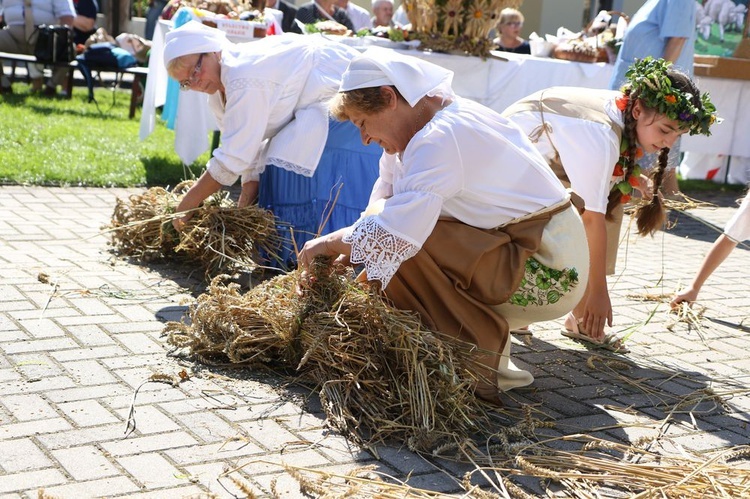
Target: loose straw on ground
(605, 463)
(219, 237)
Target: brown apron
(460, 272)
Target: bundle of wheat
(455, 25)
(381, 374)
(220, 237)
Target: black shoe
(6, 90)
(49, 91)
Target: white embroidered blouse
(588, 150)
(468, 163)
(277, 91)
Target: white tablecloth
(493, 82)
(194, 120)
(729, 138)
(499, 83)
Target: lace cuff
(292, 167)
(381, 251)
(220, 174)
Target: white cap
(414, 78)
(193, 37)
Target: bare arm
(595, 309)
(249, 193)
(674, 48)
(83, 23)
(204, 187)
(330, 245)
(721, 249)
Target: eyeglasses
(185, 85)
(515, 24)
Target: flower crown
(648, 79)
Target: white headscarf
(193, 37)
(414, 78)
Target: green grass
(714, 45)
(56, 141)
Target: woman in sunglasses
(508, 30)
(269, 98)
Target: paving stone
(109, 487)
(149, 443)
(150, 420)
(42, 328)
(87, 413)
(28, 407)
(22, 455)
(18, 482)
(66, 436)
(91, 335)
(103, 353)
(86, 392)
(29, 428)
(43, 345)
(85, 463)
(153, 471)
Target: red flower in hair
(625, 198)
(638, 153)
(618, 172)
(633, 180)
(622, 102)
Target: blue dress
(331, 199)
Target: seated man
(19, 37)
(382, 13)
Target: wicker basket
(576, 52)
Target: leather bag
(54, 44)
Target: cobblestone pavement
(80, 332)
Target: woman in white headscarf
(269, 97)
(467, 225)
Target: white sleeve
(248, 108)
(382, 242)
(588, 152)
(738, 227)
(63, 8)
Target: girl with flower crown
(592, 140)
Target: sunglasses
(185, 85)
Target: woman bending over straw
(592, 140)
(467, 225)
(269, 98)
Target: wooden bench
(139, 75)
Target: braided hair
(649, 216)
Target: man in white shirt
(359, 15)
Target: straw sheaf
(456, 25)
(219, 238)
(381, 375)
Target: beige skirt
(563, 245)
